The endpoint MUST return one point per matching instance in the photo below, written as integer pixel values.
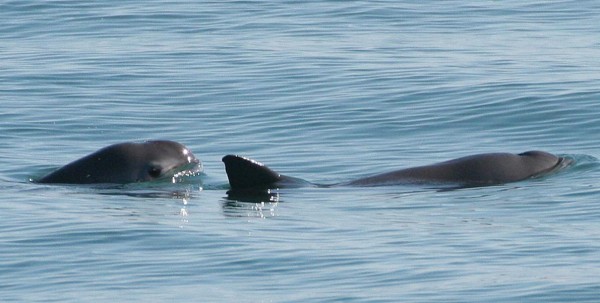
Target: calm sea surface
(324, 90)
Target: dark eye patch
(154, 171)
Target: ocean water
(323, 90)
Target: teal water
(324, 90)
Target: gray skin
(127, 163)
(475, 170)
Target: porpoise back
(475, 170)
(482, 169)
(245, 173)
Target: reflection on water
(259, 204)
(184, 192)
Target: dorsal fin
(244, 173)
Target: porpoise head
(541, 163)
(164, 159)
(128, 163)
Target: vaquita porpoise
(127, 163)
(476, 170)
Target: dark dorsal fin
(244, 173)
